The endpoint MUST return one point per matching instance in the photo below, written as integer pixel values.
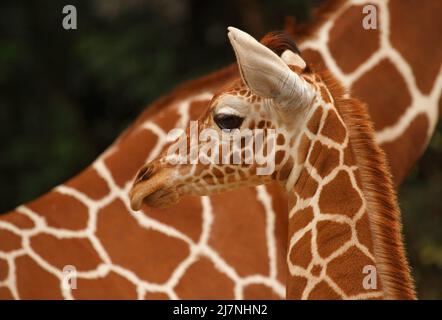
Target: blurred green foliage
(420, 199)
(66, 95)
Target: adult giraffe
(77, 223)
(343, 212)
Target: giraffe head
(264, 110)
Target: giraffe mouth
(157, 192)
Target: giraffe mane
(279, 41)
(380, 195)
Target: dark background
(66, 95)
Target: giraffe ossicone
(343, 213)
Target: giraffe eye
(228, 121)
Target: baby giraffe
(344, 231)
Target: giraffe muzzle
(153, 186)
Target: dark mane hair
(279, 41)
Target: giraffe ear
(264, 72)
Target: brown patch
(350, 44)
(315, 121)
(333, 128)
(331, 236)
(349, 158)
(323, 291)
(231, 236)
(339, 197)
(316, 270)
(6, 294)
(9, 241)
(130, 155)
(295, 287)
(229, 170)
(403, 152)
(415, 31)
(4, 269)
(363, 232)
(301, 252)
(280, 154)
(300, 219)
(167, 120)
(303, 148)
(31, 279)
(156, 296)
(286, 169)
(203, 281)
(62, 252)
(61, 211)
(385, 92)
(90, 183)
(217, 172)
(186, 216)
(280, 140)
(313, 58)
(259, 292)
(18, 219)
(111, 287)
(135, 248)
(323, 159)
(346, 271)
(197, 109)
(306, 186)
(292, 200)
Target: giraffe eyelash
(228, 121)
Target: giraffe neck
(336, 238)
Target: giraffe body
(77, 220)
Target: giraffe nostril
(144, 174)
